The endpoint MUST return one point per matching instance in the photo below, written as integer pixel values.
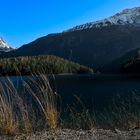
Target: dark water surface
(91, 89)
(96, 90)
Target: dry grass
(79, 116)
(10, 120)
(14, 112)
(8, 124)
(45, 98)
(18, 116)
(122, 113)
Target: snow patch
(126, 17)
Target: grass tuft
(16, 113)
(45, 99)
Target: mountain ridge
(92, 47)
(126, 17)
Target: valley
(82, 80)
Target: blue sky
(22, 21)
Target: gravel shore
(67, 134)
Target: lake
(93, 90)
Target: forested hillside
(40, 64)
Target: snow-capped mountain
(102, 46)
(126, 17)
(4, 47)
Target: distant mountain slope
(133, 65)
(94, 46)
(116, 65)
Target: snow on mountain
(4, 47)
(126, 17)
(3, 44)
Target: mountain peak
(4, 47)
(135, 9)
(3, 44)
(126, 17)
